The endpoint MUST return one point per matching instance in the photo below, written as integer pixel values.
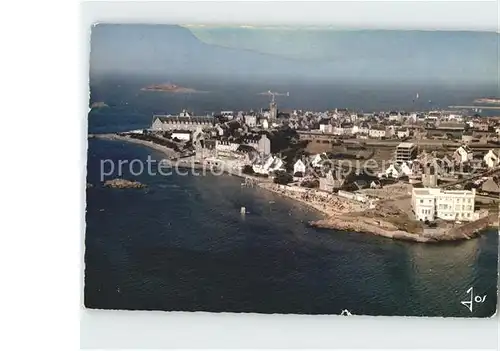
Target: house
(463, 154)
(375, 184)
(492, 158)
(377, 132)
(318, 159)
(183, 135)
(268, 165)
(325, 126)
(332, 180)
(299, 169)
(491, 186)
(363, 128)
(399, 169)
(251, 120)
(481, 125)
(394, 116)
(403, 133)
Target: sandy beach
(328, 204)
(165, 150)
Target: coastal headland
(487, 100)
(390, 218)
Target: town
(423, 174)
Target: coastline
(338, 213)
(165, 150)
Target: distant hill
(250, 54)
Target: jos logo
(473, 299)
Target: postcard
(292, 170)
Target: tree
(283, 178)
(247, 169)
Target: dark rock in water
(123, 184)
(89, 185)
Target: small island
(488, 100)
(98, 104)
(169, 88)
(123, 184)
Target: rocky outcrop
(386, 229)
(123, 184)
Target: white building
(463, 154)
(432, 203)
(377, 132)
(326, 128)
(399, 169)
(265, 123)
(268, 165)
(182, 122)
(299, 167)
(228, 114)
(492, 159)
(226, 146)
(250, 120)
(183, 135)
(317, 159)
(403, 133)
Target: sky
(252, 53)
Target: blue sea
(181, 244)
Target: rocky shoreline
(375, 222)
(371, 226)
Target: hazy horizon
(171, 52)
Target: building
(264, 145)
(299, 167)
(264, 122)
(406, 152)
(492, 158)
(268, 165)
(333, 179)
(398, 169)
(463, 154)
(251, 120)
(403, 133)
(226, 146)
(430, 176)
(429, 204)
(491, 186)
(191, 123)
(227, 114)
(273, 110)
(377, 132)
(318, 159)
(183, 135)
(326, 127)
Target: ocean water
(181, 244)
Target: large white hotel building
(432, 203)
